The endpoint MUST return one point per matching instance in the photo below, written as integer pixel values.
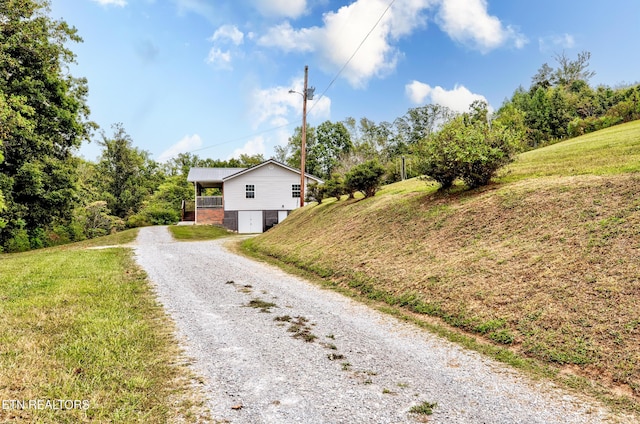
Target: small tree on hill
(315, 193)
(365, 178)
(469, 149)
(334, 187)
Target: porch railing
(209, 201)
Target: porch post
(195, 202)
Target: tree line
(49, 195)
(445, 146)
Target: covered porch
(208, 206)
(189, 209)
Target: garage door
(249, 222)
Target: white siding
(272, 190)
(282, 215)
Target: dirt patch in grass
(547, 267)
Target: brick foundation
(211, 216)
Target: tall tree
(420, 122)
(127, 174)
(569, 71)
(290, 153)
(43, 118)
(2, 204)
(543, 78)
(332, 142)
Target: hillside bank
(545, 266)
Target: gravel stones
(341, 363)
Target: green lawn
(198, 232)
(83, 325)
(614, 150)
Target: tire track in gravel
(273, 348)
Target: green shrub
(97, 221)
(19, 242)
(38, 238)
(160, 216)
(59, 234)
(334, 187)
(315, 193)
(365, 178)
(468, 149)
(137, 220)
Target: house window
(295, 190)
(251, 191)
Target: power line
(335, 78)
(355, 52)
(241, 138)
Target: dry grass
(547, 267)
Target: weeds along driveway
(273, 348)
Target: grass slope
(544, 262)
(82, 326)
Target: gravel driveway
(362, 367)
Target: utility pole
(307, 94)
(303, 146)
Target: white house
(253, 199)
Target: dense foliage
(560, 103)
(325, 146)
(43, 117)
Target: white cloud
(230, 33)
(319, 109)
(285, 37)
(277, 111)
(219, 59)
(281, 8)
(457, 99)
(188, 143)
(199, 7)
(276, 106)
(468, 22)
(272, 106)
(417, 91)
(344, 30)
(120, 3)
(555, 42)
(255, 146)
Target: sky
(212, 77)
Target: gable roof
(211, 175)
(219, 175)
(272, 162)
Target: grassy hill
(544, 262)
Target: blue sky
(212, 77)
